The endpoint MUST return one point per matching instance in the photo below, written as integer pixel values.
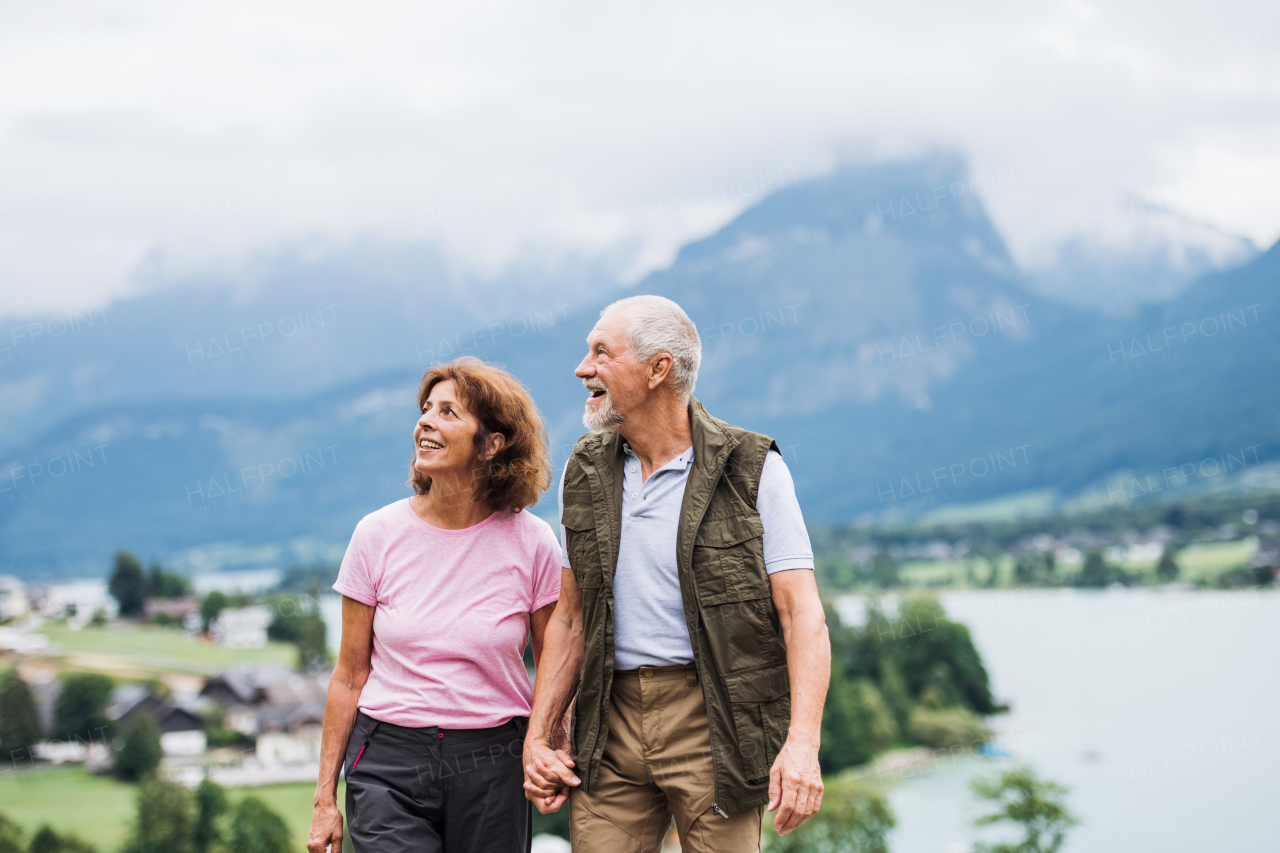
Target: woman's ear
(495, 443)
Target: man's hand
(326, 828)
(795, 786)
(548, 775)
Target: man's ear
(659, 369)
(495, 443)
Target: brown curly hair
(519, 472)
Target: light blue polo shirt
(649, 627)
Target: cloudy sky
(143, 141)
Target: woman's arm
(547, 762)
(538, 621)
(349, 676)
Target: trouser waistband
(687, 671)
(514, 727)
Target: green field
(99, 809)
(952, 573)
(1200, 563)
(121, 648)
(1205, 561)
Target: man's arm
(795, 780)
(547, 769)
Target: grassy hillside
(140, 651)
(103, 808)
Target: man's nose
(585, 368)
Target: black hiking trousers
(433, 790)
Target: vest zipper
(715, 807)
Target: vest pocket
(583, 545)
(728, 560)
(761, 700)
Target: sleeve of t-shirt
(546, 569)
(786, 539)
(355, 577)
(564, 539)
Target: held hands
(548, 776)
(795, 786)
(548, 770)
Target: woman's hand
(547, 776)
(326, 829)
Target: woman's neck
(449, 509)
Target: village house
(242, 627)
(181, 729)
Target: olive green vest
(728, 604)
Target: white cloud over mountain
(143, 140)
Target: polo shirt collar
(681, 462)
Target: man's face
(615, 380)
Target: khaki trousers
(656, 766)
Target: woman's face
(445, 435)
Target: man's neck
(658, 434)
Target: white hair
(659, 325)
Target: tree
(842, 743)
(255, 828)
(128, 584)
(19, 720)
(1167, 569)
(213, 604)
(312, 648)
(940, 689)
(881, 727)
(140, 754)
(947, 728)
(845, 741)
(81, 709)
(163, 822)
(46, 840)
(853, 819)
(211, 804)
(924, 637)
(166, 584)
(896, 694)
(10, 837)
(1094, 574)
(1024, 570)
(884, 570)
(1034, 805)
(859, 726)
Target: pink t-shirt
(451, 614)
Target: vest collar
(710, 440)
(711, 443)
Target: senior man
(689, 627)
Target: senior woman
(429, 700)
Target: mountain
(1149, 254)
(921, 371)
(285, 328)
(873, 322)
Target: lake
(1156, 708)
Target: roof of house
(132, 699)
(241, 683)
(290, 718)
